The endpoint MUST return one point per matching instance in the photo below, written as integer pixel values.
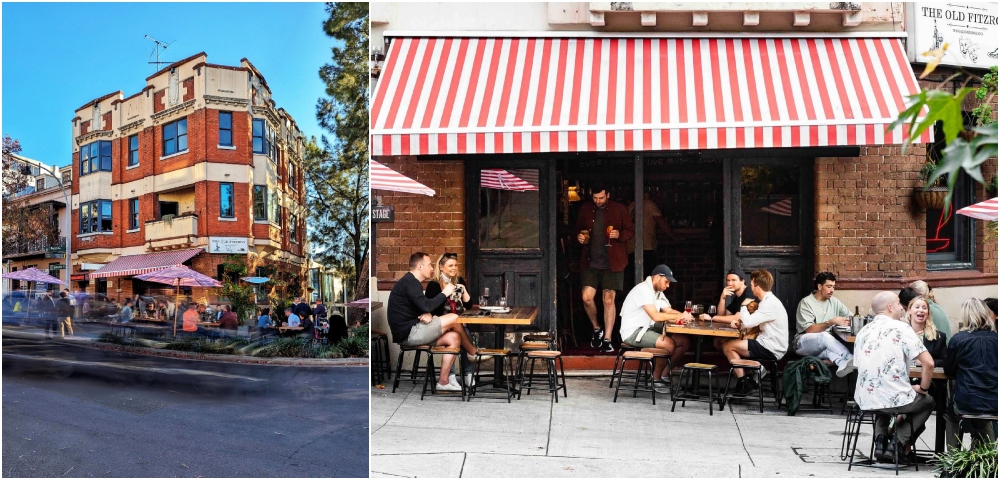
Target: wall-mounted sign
(969, 29)
(228, 245)
(78, 277)
(383, 214)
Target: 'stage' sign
(969, 29)
(383, 214)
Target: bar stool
(430, 373)
(416, 370)
(522, 354)
(381, 365)
(754, 368)
(643, 373)
(774, 379)
(551, 373)
(661, 353)
(852, 428)
(625, 347)
(874, 414)
(501, 354)
(687, 390)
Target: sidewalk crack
(742, 440)
(465, 456)
(548, 436)
(394, 411)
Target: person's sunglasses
(451, 255)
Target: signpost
(57, 266)
(383, 214)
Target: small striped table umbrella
(33, 275)
(385, 178)
(500, 179)
(986, 210)
(179, 276)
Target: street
(80, 412)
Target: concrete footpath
(586, 435)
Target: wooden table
(516, 316)
(701, 329)
(292, 329)
(939, 384)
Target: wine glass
(712, 310)
(608, 235)
(483, 300)
(502, 302)
(687, 306)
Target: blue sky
(59, 56)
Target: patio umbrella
(179, 276)
(33, 275)
(255, 279)
(384, 178)
(363, 303)
(986, 210)
(501, 179)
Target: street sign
(383, 214)
(55, 255)
(61, 249)
(57, 266)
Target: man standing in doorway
(604, 227)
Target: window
(175, 137)
(274, 209)
(260, 202)
(293, 227)
(95, 157)
(133, 150)
(226, 129)
(133, 214)
(95, 216)
(226, 209)
(291, 176)
(950, 237)
(39, 184)
(259, 132)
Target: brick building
(198, 165)
(757, 129)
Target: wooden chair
(415, 371)
(430, 374)
(550, 358)
(751, 367)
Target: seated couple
(412, 320)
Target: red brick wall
(207, 203)
(429, 224)
(147, 162)
(106, 121)
(85, 128)
(188, 84)
(242, 140)
(158, 100)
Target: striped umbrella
(363, 303)
(983, 210)
(384, 178)
(33, 275)
(781, 207)
(501, 179)
(179, 276)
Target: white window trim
(133, 230)
(224, 219)
(133, 167)
(227, 147)
(172, 155)
(91, 234)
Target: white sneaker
(846, 369)
(450, 387)
(452, 379)
(481, 358)
(468, 379)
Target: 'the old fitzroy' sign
(969, 29)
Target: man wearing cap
(643, 315)
(772, 319)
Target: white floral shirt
(883, 352)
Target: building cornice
(232, 101)
(269, 113)
(82, 139)
(159, 116)
(131, 126)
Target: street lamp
(26, 170)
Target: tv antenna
(155, 54)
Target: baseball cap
(665, 271)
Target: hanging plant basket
(932, 198)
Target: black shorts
(602, 279)
(758, 352)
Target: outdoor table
(284, 330)
(516, 316)
(701, 329)
(940, 383)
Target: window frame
(176, 137)
(133, 213)
(260, 196)
(293, 227)
(232, 200)
(291, 177)
(133, 151)
(96, 157)
(274, 209)
(229, 129)
(93, 221)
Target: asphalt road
(71, 411)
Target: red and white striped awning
(530, 95)
(501, 179)
(385, 178)
(145, 263)
(986, 210)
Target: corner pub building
(198, 165)
(760, 133)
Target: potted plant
(978, 462)
(929, 196)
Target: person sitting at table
(319, 310)
(771, 318)
(644, 313)
(338, 328)
(302, 309)
(972, 362)
(817, 314)
(918, 312)
(446, 273)
(191, 321)
(730, 301)
(263, 320)
(991, 303)
(412, 324)
(883, 352)
(229, 320)
(938, 315)
(293, 319)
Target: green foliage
(108, 337)
(240, 295)
(356, 345)
(979, 462)
(337, 173)
(202, 345)
(984, 112)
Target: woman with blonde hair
(972, 362)
(445, 272)
(938, 315)
(918, 313)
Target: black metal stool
(855, 432)
(774, 378)
(381, 366)
(618, 358)
(430, 373)
(550, 357)
(661, 353)
(541, 337)
(522, 355)
(417, 350)
(682, 394)
(643, 373)
(501, 355)
(852, 428)
(751, 367)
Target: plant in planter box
(931, 193)
(979, 462)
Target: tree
(25, 229)
(336, 170)
(241, 297)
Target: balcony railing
(14, 245)
(172, 233)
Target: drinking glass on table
(482, 300)
(502, 302)
(687, 306)
(712, 310)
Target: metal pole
(67, 232)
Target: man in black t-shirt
(411, 322)
(732, 298)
